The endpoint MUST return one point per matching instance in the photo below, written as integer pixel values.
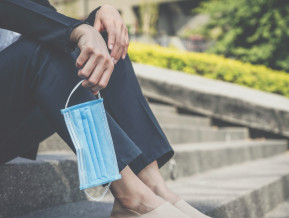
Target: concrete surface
(181, 119)
(52, 180)
(221, 100)
(176, 133)
(247, 190)
(194, 158)
(162, 108)
(281, 211)
(190, 133)
(81, 209)
(54, 143)
(27, 186)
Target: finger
(111, 36)
(95, 89)
(81, 59)
(126, 45)
(95, 76)
(102, 82)
(115, 53)
(122, 44)
(88, 68)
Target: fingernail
(110, 46)
(123, 57)
(115, 61)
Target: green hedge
(212, 66)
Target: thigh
(44, 79)
(23, 121)
(17, 109)
(14, 95)
(34, 76)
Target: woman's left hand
(109, 19)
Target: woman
(39, 70)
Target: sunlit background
(246, 32)
(165, 22)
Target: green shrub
(251, 31)
(212, 66)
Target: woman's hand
(108, 18)
(94, 60)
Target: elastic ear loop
(68, 99)
(102, 196)
(73, 90)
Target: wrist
(77, 32)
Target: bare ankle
(133, 194)
(167, 195)
(141, 202)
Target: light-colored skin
(152, 178)
(147, 190)
(133, 194)
(109, 19)
(95, 62)
(143, 192)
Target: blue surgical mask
(90, 134)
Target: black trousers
(35, 83)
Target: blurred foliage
(254, 31)
(212, 66)
(149, 13)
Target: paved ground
(282, 211)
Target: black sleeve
(37, 22)
(91, 17)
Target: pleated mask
(90, 134)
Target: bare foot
(133, 194)
(154, 180)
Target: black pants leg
(35, 83)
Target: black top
(38, 20)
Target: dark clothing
(36, 80)
(37, 21)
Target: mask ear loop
(102, 196)
(74, 89)
(68, 99)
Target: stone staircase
(219, 170)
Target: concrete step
(176, 133)
(281, 211)
(247, 190)
(52, 180)
(194, 158)
(167, 114)
(83, 209)
(182, 119)
(221, 100)
(164, 108)
(188, 133)
(27, 186)
(53, 143)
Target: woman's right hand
(94, 61)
